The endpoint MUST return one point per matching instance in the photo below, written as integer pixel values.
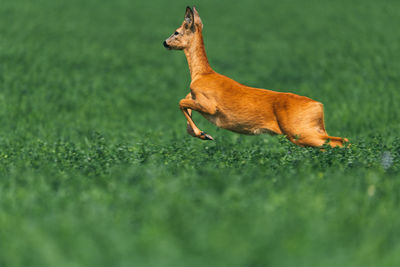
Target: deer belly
(214, 119)
(239, 125)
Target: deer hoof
(205, 136)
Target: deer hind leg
(311, 131)
(317, 140)
(335, 141)
(316, 136)
(187, 105)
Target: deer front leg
(189, 128)
(187, 105)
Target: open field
(96, 168)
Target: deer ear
(189, 19)
(197, 17)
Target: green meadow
(96, 167)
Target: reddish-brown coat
(239, 108)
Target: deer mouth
(166, 45)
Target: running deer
(239, 108)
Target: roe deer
(239, 108)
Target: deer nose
(165, 44)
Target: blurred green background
(96, 168)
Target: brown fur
(239, 108)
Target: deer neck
(196, 57)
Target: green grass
(96, 168)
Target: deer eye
(176, 33)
